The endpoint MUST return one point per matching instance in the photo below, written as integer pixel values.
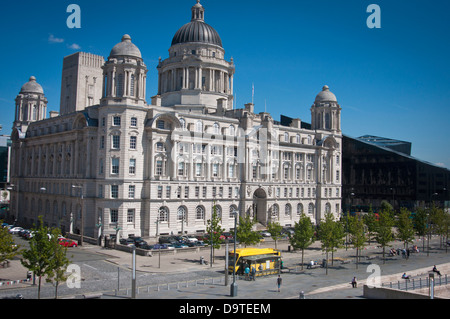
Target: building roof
(396, 145)
(197, 30)
(125, 48)
(32, 87)
(325, 96)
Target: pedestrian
(279, 281)
(436, 271)
(253, 273)
(247, 272)
(354, 283)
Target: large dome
(326, 95)
(32, 87)
(126, 48)
(197, 30)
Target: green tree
(245, 233)
(8, 249)
(439, 219)
(303, 236)
(357, 235)
(215, 230)
(384, 234)
(331, 235)
(421, 223)
(370, 220)
(405, 228)
(38, 258)
(274, 228)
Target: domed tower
(326, 112)
(125, 75)
(31, 105)
(196, 73)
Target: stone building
(116, 163)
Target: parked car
(67, 242)
(265, 233)
(190, 239)
(15, 230)
(138, 241)
(228, 235)
(126, 241)
(167, 240)
(160, 246)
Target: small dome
(126, 48)
(326, 96)
(32, 87)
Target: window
(215, 170)
(132, 85)
(115, 165)
(198, 169)
(181, 213)
(199, 127)
(133, 122)
(160, 191)
(168, 191)
(204, 191)
(116, 120)
(231, 130)
(114, 191)
(116, 142)
(287, 210)
(299, 209)
(114, 215)
(160, 124)
(197, 191)
(120, 85)
(186, 192)
(102, 142)
(183, 123)
(181, 169)
(233, 209)
(275, 211)
(130, 215)
(311, 209)
(286, 137)
(163, 214)
(216, 128)
(200, 212)
(133, 142)
(131, 191)
(132, 167)
(159, 167)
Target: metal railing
(416, 283)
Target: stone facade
(122, 165)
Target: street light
(82, 214)
(234, 286)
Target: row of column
(132, 83)
(212, 80)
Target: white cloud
(74, 47)
(53, 39)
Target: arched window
(299, 209)
(183, 124)
(199, 127)
(287, 210)
(231, 130)
(275, 211)
(233, 209)
(200, 213)
(132, 85)
(311, 209)
(327, 208)
(120, 85)
(218, 210)
(216, 128)
(163, 214)
(181, 213)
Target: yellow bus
(266, 261)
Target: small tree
(59, 262)
(421, 223)
(215, 230)
(274, 228)
(38, 258)
(356, 230)
(303, 235)
(384, 233)
(331, 234)
(245, 233)
(370, 220)
(8, 250)
(405, 228)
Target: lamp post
(234, 286)
(82, 214)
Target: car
(190, 239)
(126, 241)
(167, 240)
(67, 242)
(159, 246)
(228, 235)
(15, 230)
(265, 233)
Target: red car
(67, 242)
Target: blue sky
(391, 82)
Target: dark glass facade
(373, 173)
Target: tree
(370, 220)
(245, 233)
(274, 228)
(59, 261)
(384, 233)
(405, 229)
(331, 234)
(439, 221)
(215, 230)
(421, 223)
(357, 235)
(38, 258)
(303, 235)
(8, 250)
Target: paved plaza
(107, 272)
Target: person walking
(253, 273)
(279, 281)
